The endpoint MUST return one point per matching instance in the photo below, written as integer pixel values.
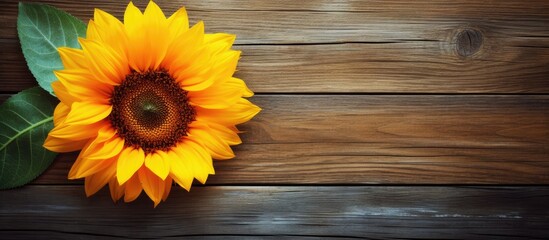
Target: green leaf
(42, 29)
(25, 120)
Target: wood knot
(468, 42)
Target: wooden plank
(317, 22)
(460, 8)
(387, 139)
(391, 67)
(373, 212)
(368, 46)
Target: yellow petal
(153, 14)
(72, 58)
(108, 149)
(241, 112)
(152, 184)
(219, 42)
(201, 74)
(84, 167)
(133, 22)
(111, 32)
(186, 45)
(217, 96)
(219, 37)
(225, 64)
(63, 145)
(228, 135)
(106, 145)
(116, 190)
(92, 33)
(180, 40)
(105, 64)
(132, 188)
(199, 81)
(158, 163)
(180, 171)
(156, 27)
(132, 17)
(239, 83)
(84, 113)
(96, 181)
(202, 135)
(167, 188)
(178, 23)
(147, 40)
(129, 161)
(203, 161)
(193, 70)
(105, 133)
(76, 132)
(188, 61)
(196, 159)
(63, 94)
(60, 113)
(83, 86)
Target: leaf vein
(44, 121)
(5, 124)
(17, 114)
(62, 30)
(41, 33)
(40, 111)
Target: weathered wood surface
(396, 139)
(362, 93)
(362, 46)
(347, 212)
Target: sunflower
(148, 101)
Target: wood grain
(344, 212)
(376, 117)
(419, 67)
(314, 22)
(389, 139)
(364, 46)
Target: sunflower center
(151, 111)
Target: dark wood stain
(381, 119)
(248, 211)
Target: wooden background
(381, 119)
